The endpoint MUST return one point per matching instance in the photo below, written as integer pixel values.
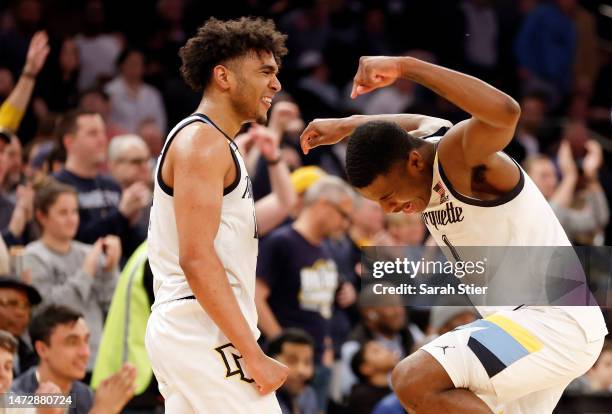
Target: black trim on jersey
(233, 149)
(484, 203)
(440, 132)
(165, 187)
(199, 117)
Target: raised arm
(494, 114)
(13, 109)
(198, 181)
(333, 130)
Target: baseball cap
(304, 177)
(11, 281)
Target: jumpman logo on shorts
(444, 348)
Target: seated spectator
(389, 405)
(372, 365)
(132, 100)
(599, 377)
(295, 349)
(61, 338)
(16, 301)
(300, 290)
(384, 322)
(581, 222)
(8, 346)
(103, 208)
(70, 272)
(17, 214)
(444, 319)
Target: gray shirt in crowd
(60, 279)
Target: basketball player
(202, 333)
(513, 361)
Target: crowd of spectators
(88, 92)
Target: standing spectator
(295, 349)
(103, 208)
(299, 290)
(129, 161)
(59, 82)
(16, 301)
(132, 100)
(545, 48)
(14, 175)
(372, 365)
(96, 100)
(61, 339)
(98, 50)
(68, 271)
(580, 222)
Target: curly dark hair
(374, 148)
(217, 41)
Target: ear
(415, 161)
(40, 217)
(222, 75)
(67, 141)
(41, 349)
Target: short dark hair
(374, 148)
(67, 123)
(290, 335)
(44, 323)
(217, 41)
(357, 361)
(8, 342)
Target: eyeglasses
(346, 216)
(15, 304)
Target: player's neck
(222, 115)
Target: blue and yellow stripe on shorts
(501, 343)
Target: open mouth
(267, 101)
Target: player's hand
(268, 373)
(327, 131)
(374, 72)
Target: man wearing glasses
(297, 280)
(16, 301)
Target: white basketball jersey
(521, 217)
(236, 242)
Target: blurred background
(75, 189)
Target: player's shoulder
(202, 141)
